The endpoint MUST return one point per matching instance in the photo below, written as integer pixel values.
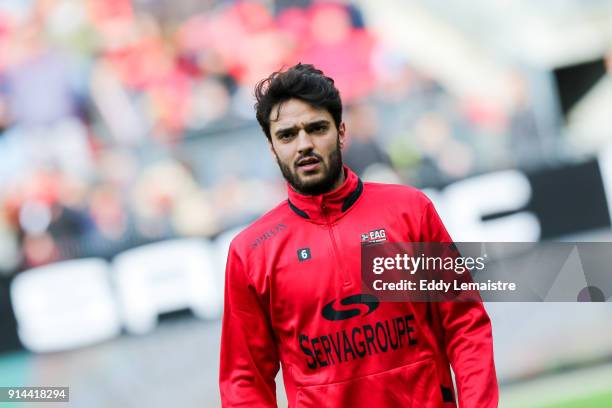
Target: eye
(285, 136)
(319, 128)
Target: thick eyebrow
(322, 122)
(310, 125)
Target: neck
(339, 181)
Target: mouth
(308, 163)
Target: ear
(342, 134)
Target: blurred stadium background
(129, 157)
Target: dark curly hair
(301, 81)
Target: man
(293, 275)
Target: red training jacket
(291, 278)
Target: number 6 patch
(303, 254)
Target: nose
(304, 141)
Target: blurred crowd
(99, 99)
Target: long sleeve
(468, 341)
(249, 357)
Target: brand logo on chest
(378, 235)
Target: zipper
(343, 273)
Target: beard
(332, 169)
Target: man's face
(307, 146)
